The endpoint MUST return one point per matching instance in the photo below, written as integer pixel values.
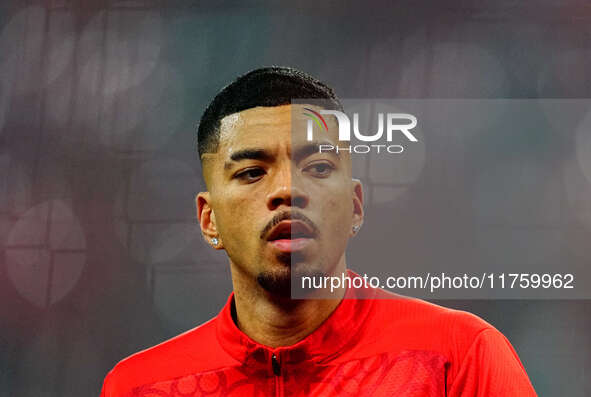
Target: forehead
(263, 126)
(255, 124)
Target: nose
(285, 191)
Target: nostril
(299, 202)
(277, 201)
(287, 197)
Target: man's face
(276, 203)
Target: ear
(357, 205)
(206, 218)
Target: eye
(249, 175)
(319, 169)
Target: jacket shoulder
(194, 351)
(398, 323)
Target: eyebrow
(248, 154)
(311, 148)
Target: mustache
(287, 215)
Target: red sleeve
(106, 391)
(491, 368)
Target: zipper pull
(275, 364)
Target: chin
(278, 281)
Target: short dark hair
(269, 86)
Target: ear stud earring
(214, 241)
(356, 228)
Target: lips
(290, 230)
(290, 236)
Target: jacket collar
(334, 335)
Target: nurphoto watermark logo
(392, 123)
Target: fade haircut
(270, 86)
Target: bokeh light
(119, 50)
(46, 253)
(455, 70)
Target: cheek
(337, 212)
(237, 216)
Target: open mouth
(291, 235)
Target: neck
(273, 320)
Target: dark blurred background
(100, 253)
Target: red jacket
(373, 344)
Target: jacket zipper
(275, 364)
